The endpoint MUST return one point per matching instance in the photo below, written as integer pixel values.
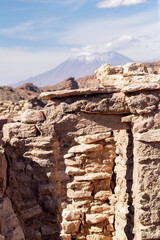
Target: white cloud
(31, 30)
(97, 33)
(118, 3)
(105, 29)
(18, 64)
(117, 44)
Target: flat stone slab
(92, 177)
(150, 136)
(140, 87)
(95, 218)
(85, 148)
(77, 92)
(92, 138)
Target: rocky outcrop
(24, 92)
(69, 83)
(86, 167)
(15, 109)
(88, 82)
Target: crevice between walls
(123, 189)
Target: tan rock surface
(32, 116)
(99, 189)
(76, 92)
(85, 148)
(98, 237)
(92, 138)
(132, 69)
(95, 218)
(19, 130)
(150, 136)
(71, 227)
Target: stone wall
(90, 215)
(86, 167)
(12, 109)
(124, 222)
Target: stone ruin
(87, 166)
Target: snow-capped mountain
(79, 66)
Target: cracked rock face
(86, 167)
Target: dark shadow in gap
(129, 182)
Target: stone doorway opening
(98, 204)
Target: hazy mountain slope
(79, 66)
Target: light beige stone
(149, 136)
(71, 215)
(39, 153)
(112, 81)
(98, 237)
(68, 155)
(83, 148)
(66, 236)
(135, 87)
(74, 171)
(71, 162)
(79, 185)
(84, 193)
(131, 69)
(100, 208)
(95, 218)
(71, 227)
(102, 195)
(32, 116)
(75, 92)
(92, 177)
(92, 138)
(108, 76)
(95, 229)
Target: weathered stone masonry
(87, 166)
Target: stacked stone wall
(12, 109)
(57, 190)
(86, 167)
(90, 215)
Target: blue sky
(36, 35)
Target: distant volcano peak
(78, 66)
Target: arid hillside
(24, 92)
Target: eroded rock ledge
(86, 167)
